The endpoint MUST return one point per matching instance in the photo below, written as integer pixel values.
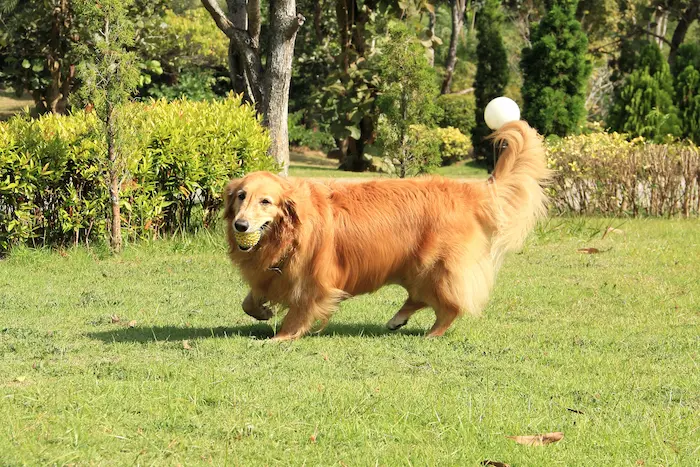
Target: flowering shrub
(605, 173)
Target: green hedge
(176, 159)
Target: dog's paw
(261, 313)
(393, 324)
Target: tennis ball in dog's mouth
(247, 240)
(500, 111)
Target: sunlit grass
(603, 347)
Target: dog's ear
(289, 211)
(229, 198)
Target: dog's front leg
(254, 306)
(298, 321)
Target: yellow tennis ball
(247, 239)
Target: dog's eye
(241, 195)
(265, 201)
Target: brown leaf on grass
(589, 251)
(494, 463)
(538, 440)
(115, 318)
(132, 323)
(186, 345)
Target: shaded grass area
(603, 347)
(10, 104)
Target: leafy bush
(179, 156)
(407, 99)
(607, 174)
(454, 145)
(52, 188)
(458, 111)
(687, 87)
(314, 139)
(643, 104)
(555, 72)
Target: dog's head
(256, 205)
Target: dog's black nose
(241, 225)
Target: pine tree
(492, 73)
(687, 87)
(643, 104)
(109, 75)
(555, 72)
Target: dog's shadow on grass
(146, 334)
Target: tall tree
(555, 72)
(458, 9)
(266, 86)
(492, 72)
(109, 75)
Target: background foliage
(178, 157)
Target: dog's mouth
(246, 241)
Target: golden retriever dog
(442, 240)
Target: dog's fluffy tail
(517, 196)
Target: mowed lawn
(602, 347)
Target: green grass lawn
(314, 164)
(603, 347)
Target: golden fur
(442, 240)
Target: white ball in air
(500, 111)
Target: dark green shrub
(492, 72)
(555, 73)
(643, 104)
(687, 88)
(457, 112)
(300, 135)
(179, 156)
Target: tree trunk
(687, 17)
(284, 23)
(55, 97)
(267, 88)
(116, 230)
(431, 33)
(458, 7)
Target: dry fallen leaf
(186, 345)
(132, 323)
(115, 318)
(538, 440)
(494, 463)
(589, 251)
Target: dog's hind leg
(404, 314)
(445, 316)
(254, 306)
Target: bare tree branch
(254, 22)
(219, 17)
